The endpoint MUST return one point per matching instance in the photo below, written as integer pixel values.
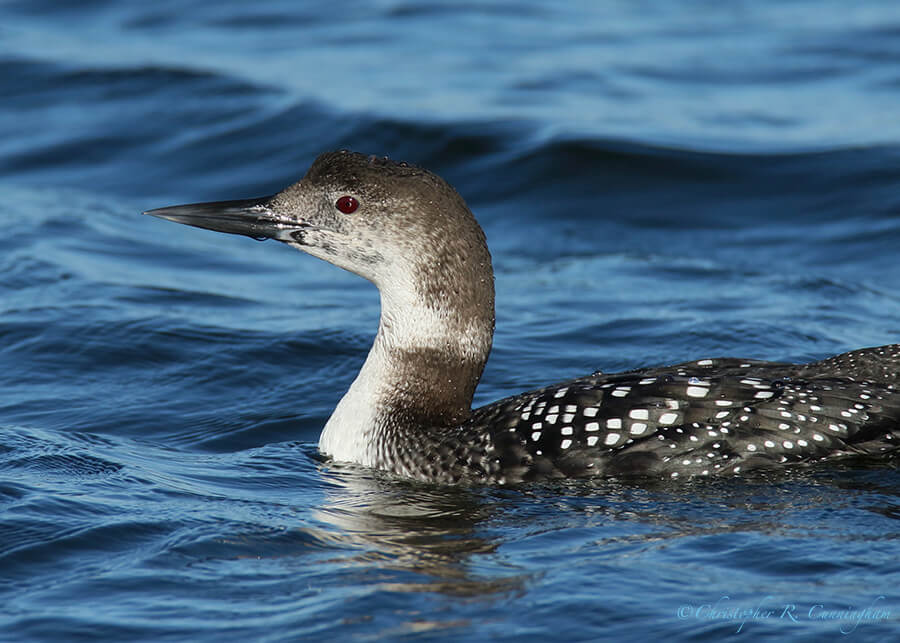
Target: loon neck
(433, 340)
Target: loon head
(412, 235)
(397, 225)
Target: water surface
(658, 182)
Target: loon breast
(409, 409)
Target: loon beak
(249, 217)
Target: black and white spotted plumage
(704, 418)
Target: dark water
(658, 182)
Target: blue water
(658, 182)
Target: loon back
(409, 409)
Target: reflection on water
(435, 533)
(461, 541)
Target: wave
(191, 133)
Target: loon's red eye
(346, 204)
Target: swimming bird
(409, 409)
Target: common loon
(409, 409)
